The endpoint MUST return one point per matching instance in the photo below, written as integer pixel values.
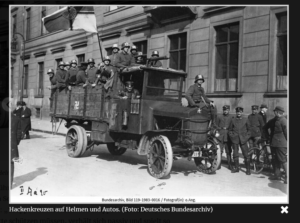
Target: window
(108, 51)
(44, 13)
(80, 58)
(141, 46)
(25, 84)
(41, 78)
(281, 63)
(178, 51)
(57, 62)
(227, 48)
(14, 24)
(28, 24)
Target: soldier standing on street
(263, 112)
(61, 75)
(81, 77)
(25, 121)
(155, 63)
(197, 98)
(239, 133)
(125, 59)
(278, 139)
(256, 125)
(223, 122)
(71, 74)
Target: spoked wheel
(211, 158)
(256, 160)
(115, 150)
(76, 141)
(159, 156)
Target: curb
(46, 131)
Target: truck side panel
(94, 100)
(62, 102)
(77, 101)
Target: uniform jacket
(71, 75)
(256, 125)
(81, 77)
(15, 134)
(156, 63)
(223, 122)
(278, 136)
(26, 121)
(264, 117)
(91, 74)
(194, 93)
(53, 81)
(61, 77)
(130, 95)
(114, 59)
(125, 60)
(239, 130)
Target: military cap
(23, 103)
(129, 83)
(254, 107)
(225, 107)
(115, 46)
(199, 77)
(263, 106)
(279, 108)
(237, 109)
(155, 53)
(83, 63)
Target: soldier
(115, 56)
(223, 122)
(25, 121)
(278, 139)
(140, 59)
(52, 79)
(256, 125)
(71, 74)
(155, 63)
(129, 92)
(18, 109)
(61, 75)
(133, 50)
(197, 98)
(81, 77)
(106, 73)
(263, 112)
(239, 133)
(67, 66)
(91, 71)
(125, 59)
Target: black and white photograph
(148, 104)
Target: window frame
(140, 41)
(77, 56)
(28, 21)
(179, 49)
(25, 81)
(40, 83)
(211, 80)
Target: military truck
(155, 125)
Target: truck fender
(143, 145)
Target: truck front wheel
(76, 141)
(159, 156)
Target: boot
(237, 168)
(229, 162)
(248, 172)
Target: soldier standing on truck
(140, 59)
(155, 63)
(91, 72)
(67, 66)
(133, 51)
(129, 92)
(125, 59)
(71, 74)
(256, 125)
(239, 133)
(197, 98)
(223, 122)
(115, 56)
(61, 75)
(81, 76)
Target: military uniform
(71, 75)
(222, 123)
(239, 133)
(156, 63)
(263, 114)
(114, 59)
(278, 139)
(91, 74)
(134, 94)
(61, 78)
(125, 60)
(256, 125)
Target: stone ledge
(39, 54)
(59, 49)
(275, 95)
(111, 35)
(80, 44)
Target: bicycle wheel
(256, 160)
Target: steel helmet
(73, 61)
(50, 71)
(61, 63)
(67, 63)
(140, 53)
(106, 58)
(133, 48)
(115, 46)
(125, 44)
(155, 52)
(199, 77)
(91, 60)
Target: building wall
(255, 49)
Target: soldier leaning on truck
(155, 63)
(81, 76)
(91, 71)
(71, 74)
(115, 56)
(53, 81)
(278, 139)
(256, 125)
(61, 75)
(125, 59)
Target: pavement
(45, 126)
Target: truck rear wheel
(76, 141)
(160, 156)
(115, 150)
(212, 160)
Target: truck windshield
(163, 85)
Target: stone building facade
(241, 51)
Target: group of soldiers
(245, 132)
(69, 74)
